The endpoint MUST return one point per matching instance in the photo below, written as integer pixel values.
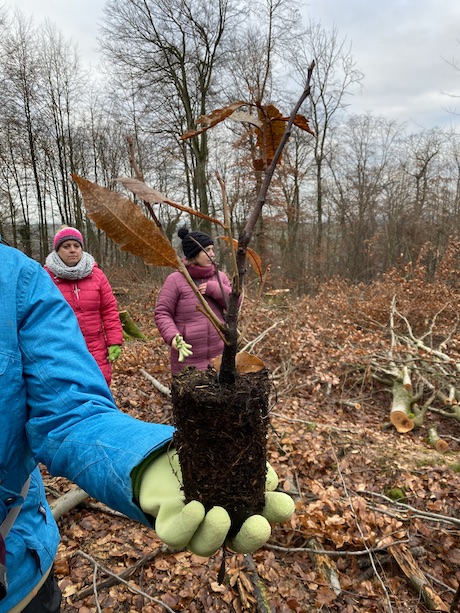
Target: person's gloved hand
(188, 525)
(182, 347)
(278, 508)
(114, 353)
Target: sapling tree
(221, 414)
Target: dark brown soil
(221, 440)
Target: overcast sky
(403, 47)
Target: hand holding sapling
(176, 523)
(278, 508)
(189, 525)
(222, 418)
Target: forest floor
(378, 501)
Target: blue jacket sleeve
(73, 425)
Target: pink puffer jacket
(176, 313)
(95, 306)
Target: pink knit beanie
(67, 234)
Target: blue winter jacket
(55, 408)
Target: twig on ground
(336, 554)
(316, 424)
(249, 346)
(118, 579)
(160, 387)
(441, 583)
(413, 510)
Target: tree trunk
(401, 408)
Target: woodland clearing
(383, 504)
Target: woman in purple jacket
(193, 339)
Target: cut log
(408, 565)
(276, 296)
(401, 408)
(129, 327)
(67, 501)
(436, 442)
(160, 387)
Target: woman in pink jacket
(193, 339)
(88, 291)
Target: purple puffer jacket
(95, 306)
(176, 313)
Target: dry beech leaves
(329, 446)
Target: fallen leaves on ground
(334, 453)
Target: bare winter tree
(335, 74)
(420, 163)
(172, 51)
(63, 87)
(47, 133)
(21, 83)
(362, 167)
(258, 76)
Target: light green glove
(278, 508)
(114, 353)
(182, 347)
(182, 525)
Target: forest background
(359, 197)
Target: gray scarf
(61, 270)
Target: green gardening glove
(114, 352)
(182, 347)
(182, 525)
(278, 508)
